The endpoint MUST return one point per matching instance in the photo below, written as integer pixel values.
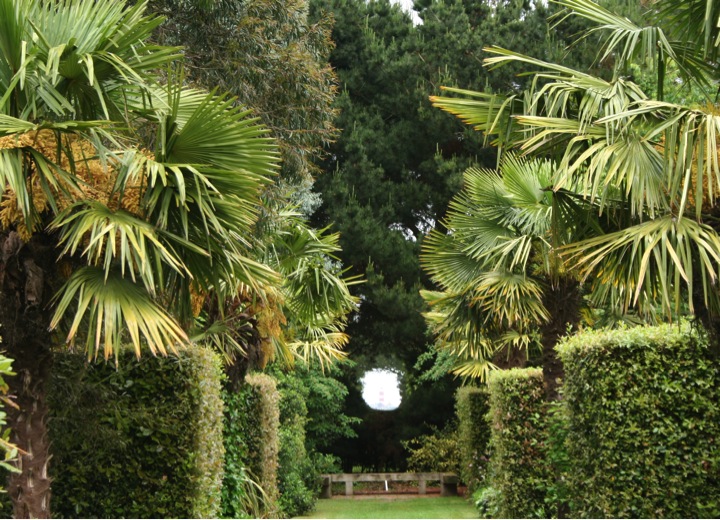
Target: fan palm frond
(106, 306)
(654, 262)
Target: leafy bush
(518, 474)
(436, 451)
(471, 408)
(487, 501)
(644, 423)
(298, 479)
(143, 440)
(8, 449)
(251, 448)
(325, 403)
(558, 500)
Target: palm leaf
(656, 262)
(108, 306)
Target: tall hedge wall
(298, 479)
(644, 423)
(251, 446)
(471, 408)
(518, 471)
(140, 441)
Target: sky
(381, 389)
(408, 6)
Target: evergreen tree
(390, 174)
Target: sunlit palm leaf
(660, 261)
(691, 21)
(106, 308)
(323, 345)
(510, 300)
(445, 261)
(110, 237)
(474, 369)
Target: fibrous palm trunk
(563, 301)
(24, 315)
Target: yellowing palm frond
(106, 307)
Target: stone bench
(448, 481)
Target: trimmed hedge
(518, 473)
(644, 423)
(251, 446)
(471, 408)
(140, 441)
(297, 478)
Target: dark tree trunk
(25, 317)
(563, 301)
(510, 357)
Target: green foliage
(487, 501)
(267, 54)
(297, 478)
(435, 451)
(325, 397)
(471, 408)
(143, 440)
(518, 471)
(251, 447)
(10, 451)
(643, 414)
(311, 418)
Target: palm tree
(304, 317)
(648, 165)
(124, 196)
(504, 286)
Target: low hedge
(471, 408)
(644, 423)
(518, 474)
(251, 449)
(143, 440)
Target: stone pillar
(326, 491)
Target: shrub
(8, 451)
(143, 440)
(518, 474)
(436, 451)
(471, 408)
(644, 423)
(251, 448)
(298, 478)
(326, 406)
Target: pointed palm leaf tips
(638, 162)
(150, 189)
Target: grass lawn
(387, 507)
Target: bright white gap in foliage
(381, 389)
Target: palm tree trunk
(24, 315)
(563, 301)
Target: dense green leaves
(251, 449)
(269, 55)
(518, 471)
(643, 423)
(471, 408)
(142, 440)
